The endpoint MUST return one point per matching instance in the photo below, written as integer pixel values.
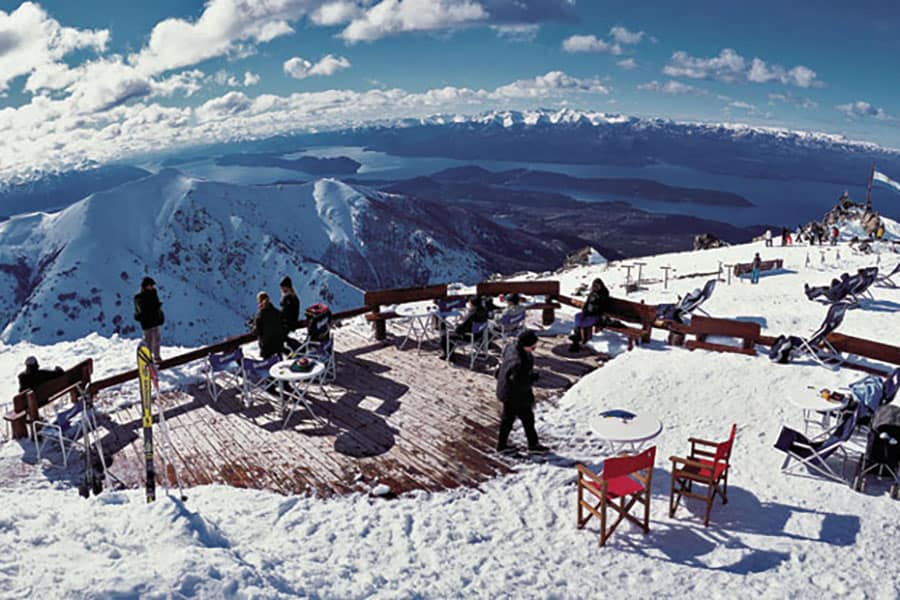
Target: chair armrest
(704, 442)
(687, 462)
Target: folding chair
(817, 346)
(256, 376)
(478, 339)
(861, 284)
(813, 453)
(888, 280)
(227, 365)
(66, 429)
(324, 353)
(624, 478)
(703, 467)
(692, 301)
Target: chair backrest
(868, 392)
(64, 419)
(620, 466)
(479, 327)
(446, 305)
(219, 361)
(833, 320)
(258, 370)
(511, 320)
(723, 449)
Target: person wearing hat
(148, 312)
(267, 327)
(290, 311)
(515, 379)
(33, 375)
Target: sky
(98, 80)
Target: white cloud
(250, 78)
(863, 109)
(517, 33)
(336, 13)
(628, 64)
(224, 28)
(670, 87)
(300, 68)
(393, 16)
(789, 98)
(731, 67)
(743, 105)
(549, 84)
(589, 43)
(626, 37)
(47, 135)
(31, 41)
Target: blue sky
(129, 77)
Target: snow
(779, 536)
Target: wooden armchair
(708, 464)
(624, 478)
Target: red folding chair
(626, 479)
(705, 467)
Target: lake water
(777, 202)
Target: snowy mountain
(580, 137)
(211, 247)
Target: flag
(876, 176)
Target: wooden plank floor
(393, 416)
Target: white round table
(817, 409)
(281, 372)
(623, 433)
(420, 318)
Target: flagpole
(869, 189)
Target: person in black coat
(290, 312)
(268, 327)
(595, 305)
(148, 312)
(33, 375)
(514, 388)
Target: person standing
(290, 312)
(148, 312)
(835, 232)
(768, 237)
(268, 327)
(515, 379)
(754, 268)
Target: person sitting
(33, 376)
(513, 306)
(478, 310)
(595, 305)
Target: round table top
(415, 310)
(814, 401)
(282, 370)
(618, 429)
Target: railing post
(380, 325)
(20, 426)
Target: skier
(148, 312)
(514, 388)
(755, 265)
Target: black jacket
(269, 331)
(290, 312)
(596, 303)
(516, 376)
(148, 309)
(29, 379)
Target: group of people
(273, 326)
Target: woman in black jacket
(148, 312)
(268, 327)
(595, 305)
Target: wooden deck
(399, 417)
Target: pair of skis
(149, 379)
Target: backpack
(318, 326)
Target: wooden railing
(27, 404)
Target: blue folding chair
(256, 376)
(66, 429)
(223, 365)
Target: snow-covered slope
(778, 537)
(210, 247)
